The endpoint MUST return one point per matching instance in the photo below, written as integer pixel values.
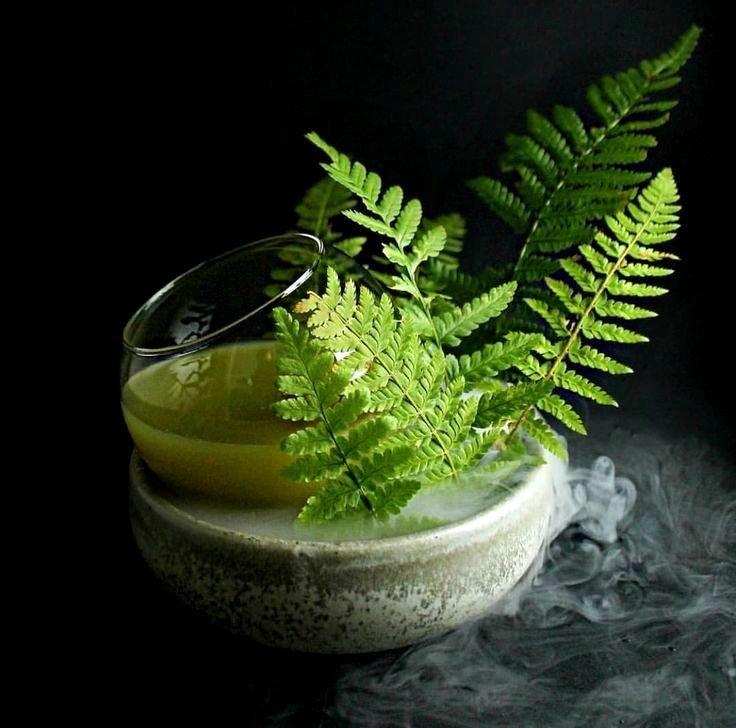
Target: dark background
(207, 148)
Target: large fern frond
(569, 174)
(588, 300)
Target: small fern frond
(493, 359)
(508, 403)
(391, 218)
(455, 231)
(461, 321)
(323, 202)
(536, 427)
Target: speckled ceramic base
(353, 596)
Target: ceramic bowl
(341, 597)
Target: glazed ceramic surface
(340, 597)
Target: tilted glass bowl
(198, 376)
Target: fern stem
(425, 308)
(575, 332)
(322, 215)
(364, 499)
(575, 166)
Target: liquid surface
(203, 423)
(435, 505)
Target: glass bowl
(198, 376)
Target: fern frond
(457, 285)
(589, 357)
(387, 501)
(536, 427)
(323, 202)
(336, 498)
(569, 175)
(391, 218)
(577, 315)
(570, 380)
(316, 213)
(455, 232)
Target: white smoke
(630, 621)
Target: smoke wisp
(630, 619)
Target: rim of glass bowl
(140, 315)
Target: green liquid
(203, 423)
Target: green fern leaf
(611, 332)
(314, 467)
(507, 403)
(452, 325)
(536, 267)
(322, 202)
(455, 229)
(561, 410)
(554, 319)
(371, 223)
(549, 137)
(583, 277)
(607, 179)
(545, 436)
(559, 235)
(571, 301)
(350, 246)
(310, 440)
(620, 309)
(578, 384)
(430, 245)
(620, 287)
(572, 125)
(569, 175)
(493, 358)
(389, 499)
(642, 270)
(502, 202)
(641, 252)
(594, 359)
(635, 228)
(524, 151)
(598, 262)
(390, 205)
(336, 498)
(408, 223)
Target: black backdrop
(207, 150)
